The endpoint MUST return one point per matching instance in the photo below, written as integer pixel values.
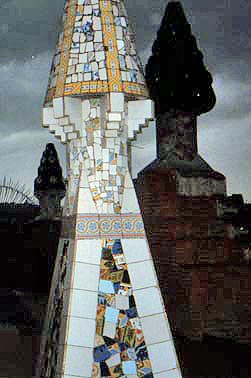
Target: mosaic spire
(176, 76)
(105, 316)
(95, 52)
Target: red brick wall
(205, 285)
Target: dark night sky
(28, 33)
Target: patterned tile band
(109, 226)
(102, 86)
(120, 349)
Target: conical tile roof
(95, 52)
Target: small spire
(49, 186)
(49, 172)
(175, 73)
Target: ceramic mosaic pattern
(120, 349)
(53, 323)
(105, 156)
(95, 52)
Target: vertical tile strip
(110, 42)
(120, 348)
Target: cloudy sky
(28, 33)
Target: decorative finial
(49, 172)
(175, 73)
(49, 186)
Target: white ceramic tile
(85, 108)
(128, 181)
(89, 251)
(58, 107)
(48, 117)
(113, 125)
(175, 373)
(83, 304)
(81, 332)
(130, 202)
(86, 277)
(78, 361)
(105, 153)
(109, 329)
(140, 109)
(73, 108)
(85, 202)
(65, 122)
(162, 356)
(114, 117)
(134, 126)
(117, 102)
(148, 301)
(135, 250)
(84, 183)
(142, 274)
(156, 329)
